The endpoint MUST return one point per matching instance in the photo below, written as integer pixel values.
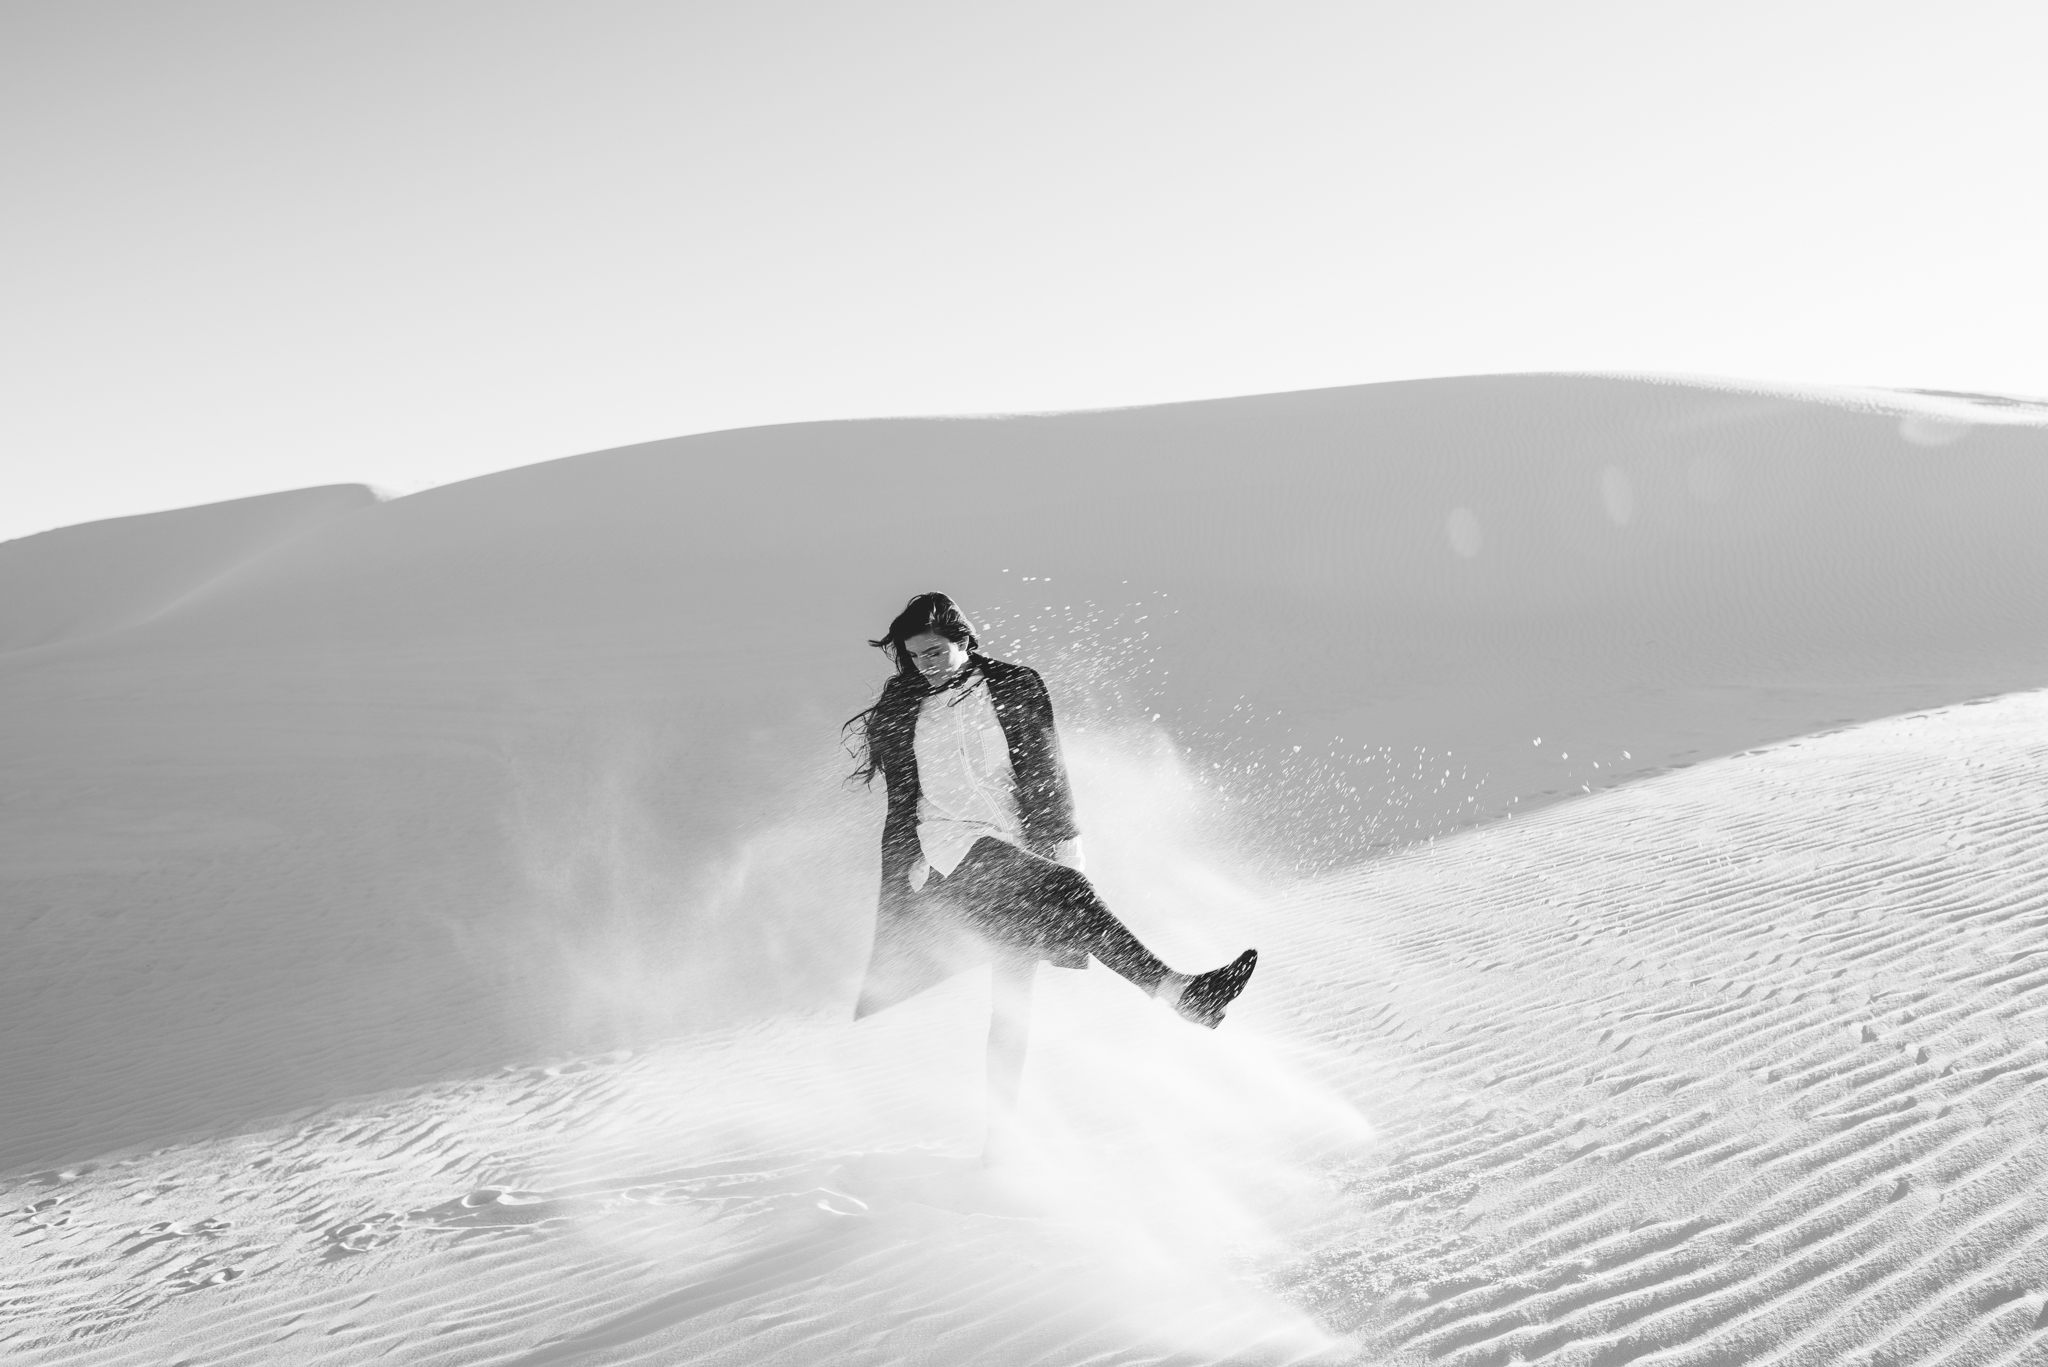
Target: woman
(981, 859)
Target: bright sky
(254, 246)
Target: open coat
(917, 942)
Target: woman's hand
(1068, 852)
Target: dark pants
(1018, 900)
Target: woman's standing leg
(1009, 1034)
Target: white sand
(431, 923)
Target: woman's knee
(1071, 886)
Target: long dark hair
(934, 614)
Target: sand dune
(100, 576)
(1740, 1064)
(431, 922)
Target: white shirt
(968, 789)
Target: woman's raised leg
(1033, 905)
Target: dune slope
(1735, 1065)
(76, 581)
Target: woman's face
(937, 658)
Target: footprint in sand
(660, 1194)
(165, 1231)
(501, 1208)
(360, 1236)
(44, 1214)
(483, 1209)
(203, 1272)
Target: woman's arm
(1049, 799)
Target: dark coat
(917, 944)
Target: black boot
(1204, 999)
